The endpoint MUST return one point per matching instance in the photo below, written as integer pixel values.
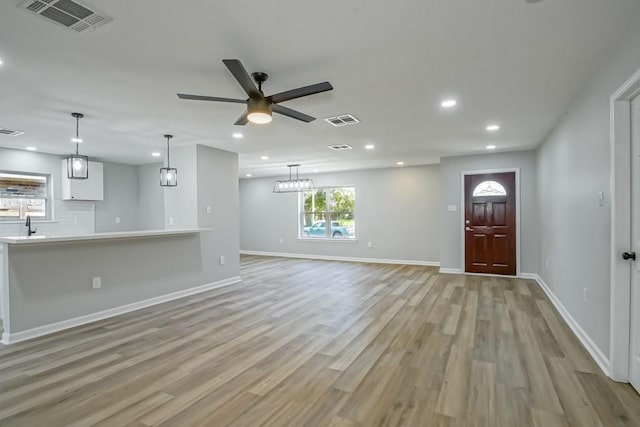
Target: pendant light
(292, 185)
(77, 165)
(168, 175)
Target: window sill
(326, 239)
(33, 221)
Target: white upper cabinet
(91, 188)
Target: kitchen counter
(38, 239)
(53, 282)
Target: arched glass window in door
(489, 188)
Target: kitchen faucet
(28, 224)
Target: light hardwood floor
(319, 343)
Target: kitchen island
(51, 283)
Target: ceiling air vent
(70, 14)
(10, 132)
(345, 119)
(339, 147)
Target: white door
(634, 357)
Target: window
(22, 195)
(489, 188)
(328, 213)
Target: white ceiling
(391, 63)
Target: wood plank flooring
(320, 343)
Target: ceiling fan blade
(242, 120)
(300, 92)
(285, 111)
(241, 75)
(210, 98)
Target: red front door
(490, 223)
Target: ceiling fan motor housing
(259, 105)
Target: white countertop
(36, 239)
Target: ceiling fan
(260, 107)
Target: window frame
(327, 213)
(49, 211)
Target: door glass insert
(489, 188)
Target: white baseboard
(12, 338)
(595, 352)
(445, 270)
(343, 258)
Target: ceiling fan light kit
(259, 111)
(292, 185)
(77, 165)
(259, 106)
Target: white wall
(573, 166)
(120, 199)
(150, 203)
(180, 202)
(397, 210)
(450, 175)
(217, 174)
(70, 217)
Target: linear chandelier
(292, 185)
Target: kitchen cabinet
(91, 188)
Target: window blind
(14, 186)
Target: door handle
(629, 255)
(468, 229)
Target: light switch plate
(96, 283)
(117, 220)
(208, 210)
(601, 198)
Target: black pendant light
(77, 165)
(168, 175)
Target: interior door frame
(463, 211)
(620, 187)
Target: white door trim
(462, 212)
(620, 183)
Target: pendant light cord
(168, 159)
(77, 135)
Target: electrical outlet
(170, 220)
(117, 220)
(601, 198)
(585, 294)
(96, 283)
(452, 208)
(208, 210)
(281, 240)
(369, 245)
(221, 259)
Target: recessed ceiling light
(491, 147)
(449, 103)
(265, 157)
(31, 148)
(1, 62)
(237, 135)
(76, 140)
(400, 163)
(248, 175)
(369, 146)
(156, 154)
(316, 170)
(493, 128)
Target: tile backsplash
(70, 217)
